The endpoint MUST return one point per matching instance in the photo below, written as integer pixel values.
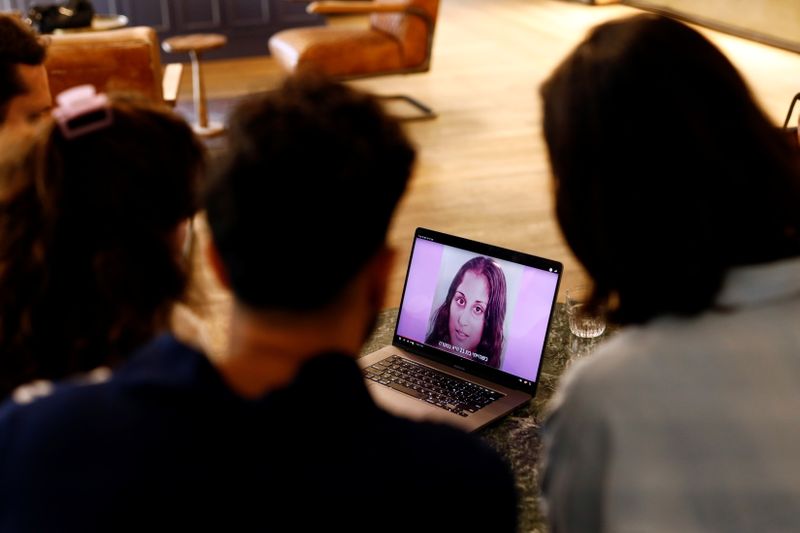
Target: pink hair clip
(81, 110)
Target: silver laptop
(470, 334)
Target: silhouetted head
(305, 198)
(667, 173)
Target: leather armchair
(399, 40)
(123, 60)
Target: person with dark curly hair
(470, 320)
(91, 232)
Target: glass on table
(583, 323)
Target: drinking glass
(581, 323)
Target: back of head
(18, 46)
(89, 263)
(306, 196)
(667, 171)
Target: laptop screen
(476, 302)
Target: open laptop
(470, 334)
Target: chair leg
(791, 108)
(427, 112)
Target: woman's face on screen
(468, 310)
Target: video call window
(480, 308)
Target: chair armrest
(350, 7)
(334, 7)
(171, 83)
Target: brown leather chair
(398, 41)
(124, 60)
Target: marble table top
(516, 436)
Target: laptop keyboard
(442, 390)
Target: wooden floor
(482, 170)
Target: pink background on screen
(420, 290)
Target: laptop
(470, 334)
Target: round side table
(195, 44)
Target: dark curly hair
(314, 172)
(89, 266)
(491, 344)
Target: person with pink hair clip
(94, 211)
